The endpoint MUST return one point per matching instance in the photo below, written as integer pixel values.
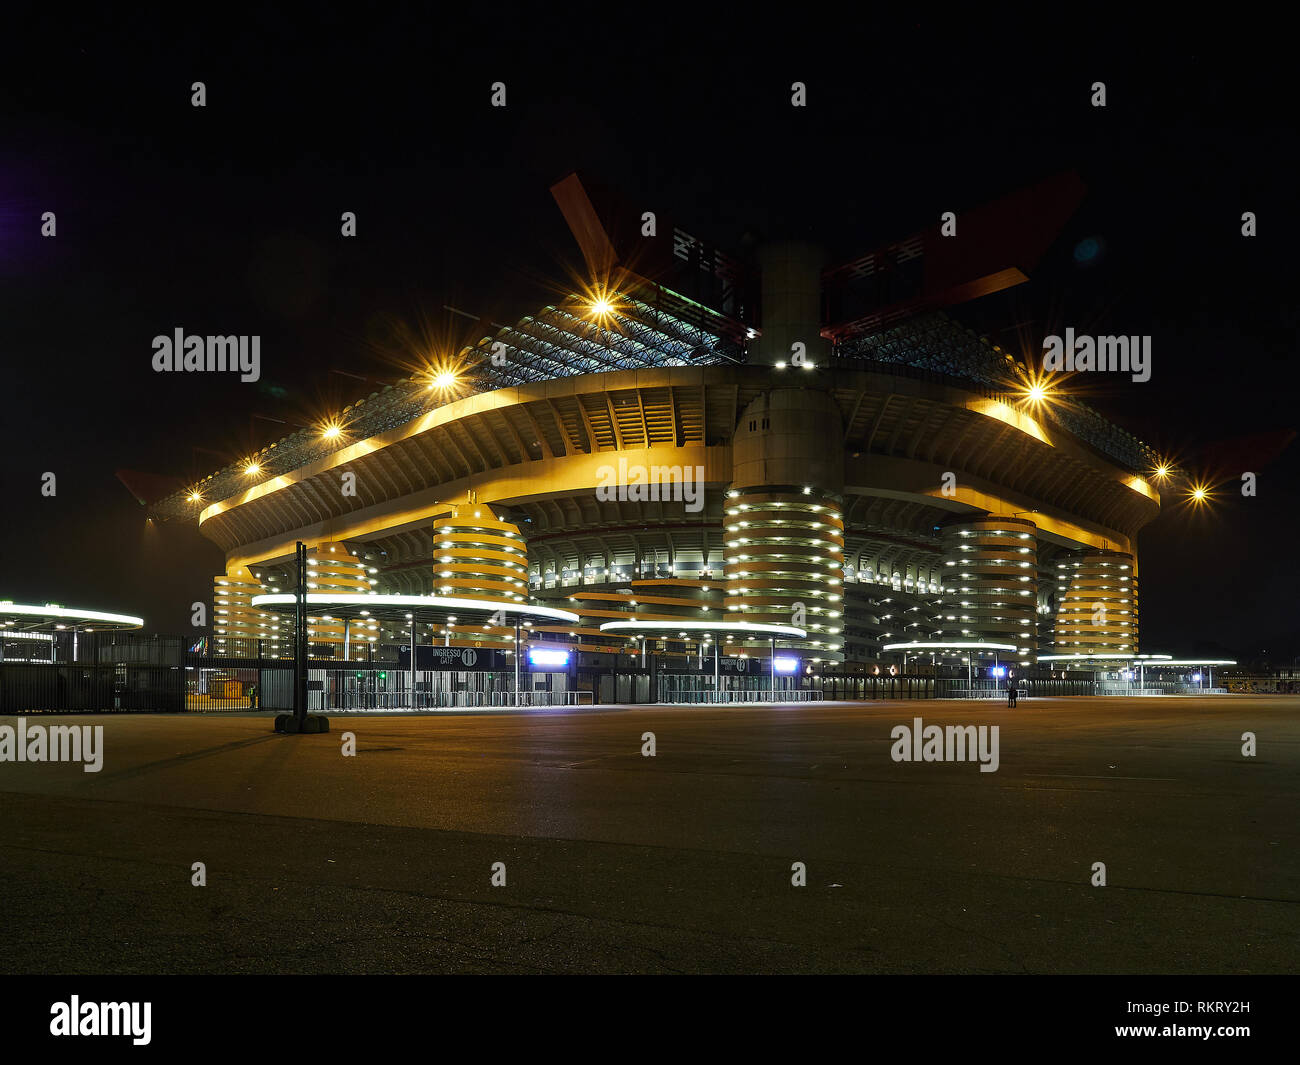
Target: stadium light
(1038, 389)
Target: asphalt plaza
(617, 862)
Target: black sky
(226, 220)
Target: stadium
(696, 472)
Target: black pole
(300, 639)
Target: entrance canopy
(696, 628)
(414, 607)
(1149, 660)
(51, 618)
(1178, 662)
(954, 647)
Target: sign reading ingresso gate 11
(456, 659)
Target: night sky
(226, 220)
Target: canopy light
(54, 611)
(957, 645)
(751, 628)
(393, 605)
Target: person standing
(1012, 691)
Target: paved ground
(682, 862)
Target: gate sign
(455, 659)
(754, 667)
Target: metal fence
(107, 671)
(102, 672)
(992, 694)
(852, 687)
(707, 697)
(1028, 687)
(80, 687)
(402, 701)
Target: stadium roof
(402, 607)
(660, 329)
(652, 329)
(935, 343)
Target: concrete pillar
(784, 542)
(791, 304)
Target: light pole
(300, 636)
(771, 668)
(413, 706)
(518, 702)
(717, 696)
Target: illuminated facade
(1097, 605)
(991, 583)
(668, 451)
(334, 567)
(479, 556)
(233, 616)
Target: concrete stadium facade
(644, 457)
(850, 475)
